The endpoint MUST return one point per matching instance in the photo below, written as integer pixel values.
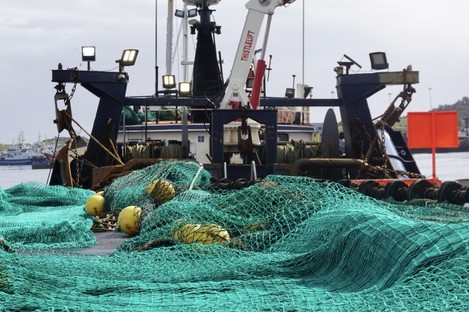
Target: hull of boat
(45, 164)
(16, 162)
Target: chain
(77, 163)
(376, 171)
(105, 222)
(73, 136)
(410, 174)
(383, 140)
(72, 92)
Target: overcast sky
(35, 36)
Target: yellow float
(129, 219)
(94, 205)
(161, 191)
(202, 234)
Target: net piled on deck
(285, 243)
(33, 215)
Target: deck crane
(235, 95)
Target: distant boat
(22, 154)
(43, 162)
(20, 157)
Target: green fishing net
(283, 244)
(36, 216)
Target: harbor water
(13, 175)
(449, 167)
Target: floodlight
(192, 13)
(290, 93)
(179, 13)
(378, 60)
(185, 88)
(129, 56)
(88, 54)
(169, 81)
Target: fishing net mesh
(283, 244)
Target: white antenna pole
(156, 52)
(303, 48)
(185, 38)
(169, 37)
(306, 117)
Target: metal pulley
(63, 118)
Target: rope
(96, 140)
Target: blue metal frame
(353, 91)
(110, 88)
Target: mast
(169, 37)
(156, 54)
(306, 110)
(206, 72)
(185, 45)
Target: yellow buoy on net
(94, 205)
(129, 219)
(202, 234)
(161, 191)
